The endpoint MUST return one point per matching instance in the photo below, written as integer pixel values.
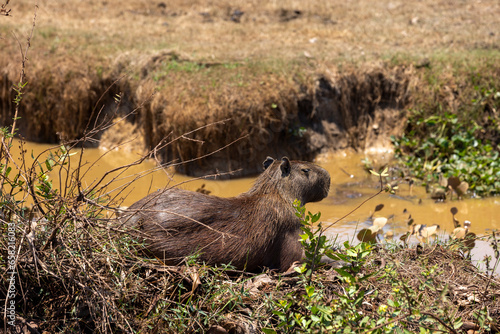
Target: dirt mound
(61, 102)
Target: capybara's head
(300, 180)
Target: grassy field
(214, 32)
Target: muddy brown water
(351, 186)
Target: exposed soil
(282, 79)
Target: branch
(4, 10)
(20, 86)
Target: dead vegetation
(4, 10)
(264, 30)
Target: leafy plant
(451, 148)
(373, 295)
(313, 241)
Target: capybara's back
(256, 229)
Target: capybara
(251, 231)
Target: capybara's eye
(306, 170)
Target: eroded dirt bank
(279, 116)
(233, 122)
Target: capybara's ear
(268, 162)
(285, 167)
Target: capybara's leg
(291, 251)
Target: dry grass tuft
(60, 101)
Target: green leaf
(315, 217)
(351, 253)
(310, 290)
(344, 273)
(279, 313)
(360, 297)
(457, 324)
(301, 269)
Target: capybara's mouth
(326, 189)
(319, 196)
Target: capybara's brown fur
(254, 230)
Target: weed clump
(450, 148)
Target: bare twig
(153, 152)
(353, 210)
(19, 90)
(4, 10)
(20, 86)
(450, 329)
(496, 245)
